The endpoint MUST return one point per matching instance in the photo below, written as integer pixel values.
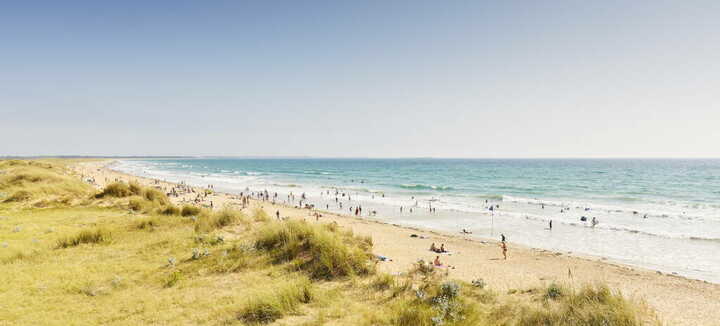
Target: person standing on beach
(550, 224)
(503, 246)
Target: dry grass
(18, 196)
(271, 304)
(561, 305)
(28, 180)
(85, 237)
(218, 220)
(259, 215)
(322, 252)
(117, 190)
(189, 210)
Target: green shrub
(86, 236)
(322, 253)
(266, 307)
(553, 291)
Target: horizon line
(2, 157)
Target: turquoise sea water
(659, 214)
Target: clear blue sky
(361, 78)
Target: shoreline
(677, 299)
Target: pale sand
(677, 300)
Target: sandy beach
(677, 300)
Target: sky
(476, 79)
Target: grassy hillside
(74, 255)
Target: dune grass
(18, 196)
(93, 261)
(116, 189)
(273, 303)
(25, 181)
(148, 223)
(98, 235)
(561, 305)
(259, 215)
(217, 220)
(320, 251)
(190, 210)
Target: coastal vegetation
(125, 254)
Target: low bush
(553, 291)
(86, 236)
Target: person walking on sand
(503, 246)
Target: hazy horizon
(281, 157)
(406, 79)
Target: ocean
(661, 214)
